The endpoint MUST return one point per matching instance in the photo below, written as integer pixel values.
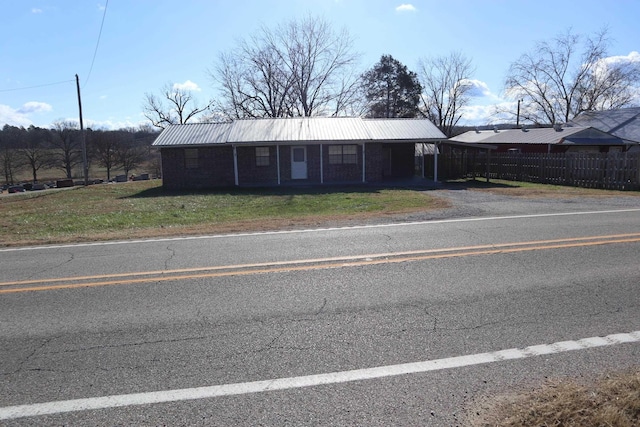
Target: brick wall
(214, 169)
(215, 166)
(251, 174)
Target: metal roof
(193, 134)
(623, 123)
(299, 129)
(402, 129)
(577, 135)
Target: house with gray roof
(281, 151)
(623, 123)
(558, 139)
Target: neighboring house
(558, 139)
(309, 150)
(623, 123)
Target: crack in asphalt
(37, 273)
(321, 309)
(172, 254)
(28, 357)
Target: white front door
(298, 162)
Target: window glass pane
(350, 154)
(335, 149)
(191, 158)
(350, 149)
(298, 154)
(262, 156)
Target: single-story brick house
(280, 151)
(558, 139)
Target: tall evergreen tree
(391, 90)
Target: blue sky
(145, 44)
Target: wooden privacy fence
(616, 171)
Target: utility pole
(518, 116)
(85, 166)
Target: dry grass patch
(613, 400)
(533, 190)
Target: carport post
(235, 165)
(321, 166)
(364, 169)
(278, 161)
(422, 159)
(435, 162)
(488, 162)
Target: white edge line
(135, 399)
(311, 230)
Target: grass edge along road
(142, 209)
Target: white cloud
(479, 89)
(113, 123)
(36, 10)
(407, 7)
(478, 115)
(612, 62)
(633, 58)
(20, 116)
(188, 85)
(11, 117)
(34, 107)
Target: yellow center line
(312, 264)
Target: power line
(36, 86)
(95, 52)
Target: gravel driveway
(467, 203)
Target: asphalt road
(401, 300)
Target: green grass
(143, 209)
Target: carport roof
(300, 129)
(577, 135)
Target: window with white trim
(191, 158)
(343, 154)
(262, 156)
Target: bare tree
(11, 160)
(253, 82)
(129, 154)
(568, 75)
(446, 83)
(105, 146)
(66, 139)
(300, 68)
(36, 152)
(175, 105)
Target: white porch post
(278, 161)
(422, 150)
(321, 166)
(235, 165)
(364, 168)
(435, 162)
